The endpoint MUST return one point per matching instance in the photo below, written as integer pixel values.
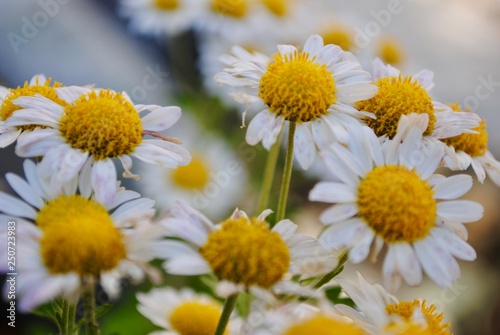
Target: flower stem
(287, 175)
(226, 313)
(67, 318)
(88, 296)
(332, 274)
(267, 181)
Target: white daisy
(472, 150)
(389, 195)
(160, 17)
(213, 181)
(39, 84)
(314, 88)
(242, 252)
(381, 313)
(183, 312)
(66, 236)
(93, 128)
(401, 95)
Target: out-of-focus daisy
(67, 238)
(89, 130)
(160, 17)
(213, 181)
(183, 312)
(315, 88)
(381, 313)
(390, 51)
(472, 149)
(242, 252)
(401, 95)
(391, 197)
(39, 84)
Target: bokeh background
(87, 42)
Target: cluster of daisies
(380, 135)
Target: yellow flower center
(234, 8)
(397, 96)
(195, 318)
(475, 145)
(166, 5)
(105, 124)
(192, 176)
(323, 325)
(246, 252)
(339, 36)
(405, 310)
(78, 236)
(397, 204)
(277, 7)
(407, 328)
(44, 89)
(297, 88)
(390, 51)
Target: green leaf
(49, 312)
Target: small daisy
(472, 149)
(389, 195)
(213, 181)
(39, 84)
(390, 51)
(381, 313)
(89, 130)
(183, 312)
(401, 95)
(242, 252)
(67, 238)
(314, 88)
(160, 17)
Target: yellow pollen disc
(405, 310)
(297, 88)
(323, 325)
(104, 124)
(397, 204)
(390, 51)
(234, 8)
(166, 5)
(195, 318)
(192, 176)
(44, 89)
(277, 7)
(341, 37)
(397, 96)
(78, 236)
(247, 252)
(475, 145)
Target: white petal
(154, 154)
(161, 118)
(38, 79)
(285, 228)
(457, 246)
(408, 263)
(37, 142)
(12, 206)
(272, 132)
(437, 262)
(304, 147)
(333, 193)
(9, 137)
(30, 172)
(84, 183)
(103, 180)
(453, 187)
(71, 93)
(168, 249)
(338, 213)
(24, 190)
(188, 266)
(313, 45)
(460, 210)
(479, 170)
(258, 126)
(186, 231)
(392, 274)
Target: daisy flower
(389, 195)
(401, 95)
(67, 238)
(378, 312)
(89, 130)
(160, 17)
(242, 252)
(472, 150)
(213, 181)
(314, 88)
(183, 312)
(39, 84)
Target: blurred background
(101, 42)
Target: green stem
(226, 313)
(287, 174)
(67, 318)
(338, 269)
(91, 326)
(267, 181)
